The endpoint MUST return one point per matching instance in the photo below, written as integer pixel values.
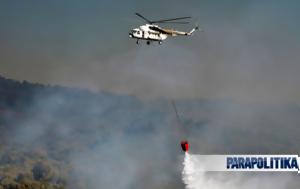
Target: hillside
(46, 131)
(57, 137)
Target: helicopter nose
(130, 35)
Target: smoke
(104, 140)
(194, 177)
(233, 73)
(99, 140)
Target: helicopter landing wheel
(159, 42)
(148, 42)
(137, 42)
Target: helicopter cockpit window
(138, 32)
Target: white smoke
(194, 177)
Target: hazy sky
(248, 50)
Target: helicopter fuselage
(145, 32)
(151, 32)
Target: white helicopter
(151, 32)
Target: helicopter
(151, 32)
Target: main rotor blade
(173, 22)
(141, 16)
(167, 20)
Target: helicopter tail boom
(176, 33)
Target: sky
(248, 51)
